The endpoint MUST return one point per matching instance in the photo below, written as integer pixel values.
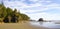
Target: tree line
(8, 15)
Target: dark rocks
(41, 19)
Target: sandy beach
(19, 26)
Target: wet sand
(19, 26)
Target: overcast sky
(35, 9)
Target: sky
(35, 9)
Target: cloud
(45, 16)
(53, 5)
(36, 8)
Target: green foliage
(9, 13)
(3, 12)
(24, 17)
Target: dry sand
(19, 26)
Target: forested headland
(8, 15)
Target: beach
(19, 26)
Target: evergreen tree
(9, 15)
(9, 11)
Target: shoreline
(20, 26)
